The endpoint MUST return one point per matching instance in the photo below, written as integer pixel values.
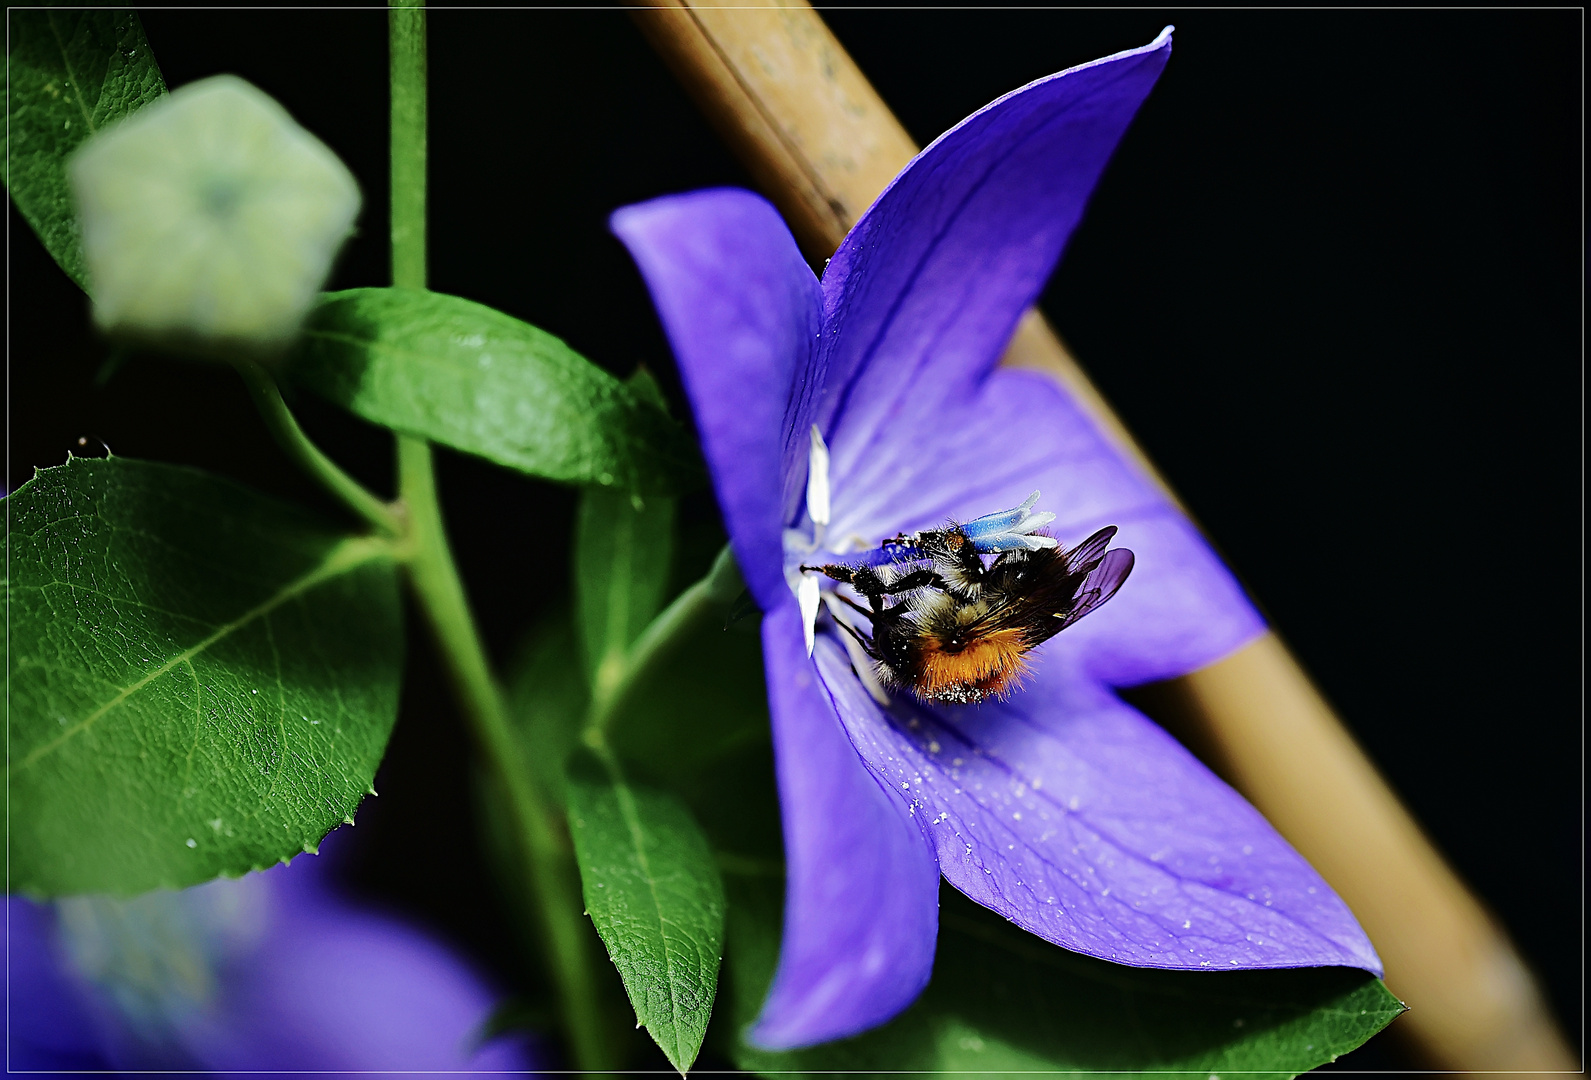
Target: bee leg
(917, 579)
(863, 641)
(864, 579)
(853, 605)
(848, 575)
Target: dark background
(1332, 280)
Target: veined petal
(742, 312)
(924, 292)
(1077, 818)
(982, 454)
(1181, 610)
(862, 900)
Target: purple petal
(1180, 610)
(862, 899)
(287, 977)
(1017, 432)
(48, 1026)
(333, 986)
(342, 989)
(944, 438)
(923, 294)
(1078, 819)
(743, 312)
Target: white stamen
(807, 596)
(818, 481)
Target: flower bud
(210, 219)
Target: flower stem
(406, 41)
(543, 850)
(309, 457)
(544, 856)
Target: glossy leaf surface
(72, 72)
(655, 896)
(697, 724)
(475, 379)
(202, 679)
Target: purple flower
(1061, 808)
(269, 972)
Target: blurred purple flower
(1063, 809)
(271, 972)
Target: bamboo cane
(822, 144)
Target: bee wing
(1085, 556)
(1110, 570)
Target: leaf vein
(341, 559)
(76, 82)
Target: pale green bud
(210, 218)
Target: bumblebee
(952, 624)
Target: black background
(1332, 280)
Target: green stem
(406, 35)
(309, 457)
(553, 883)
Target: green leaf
(622, 553)
(72, 72)
(655, 897)
(202, 679)
(475, 379)
(650, 883)
(1002, 1000)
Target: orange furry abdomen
(991, 664)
